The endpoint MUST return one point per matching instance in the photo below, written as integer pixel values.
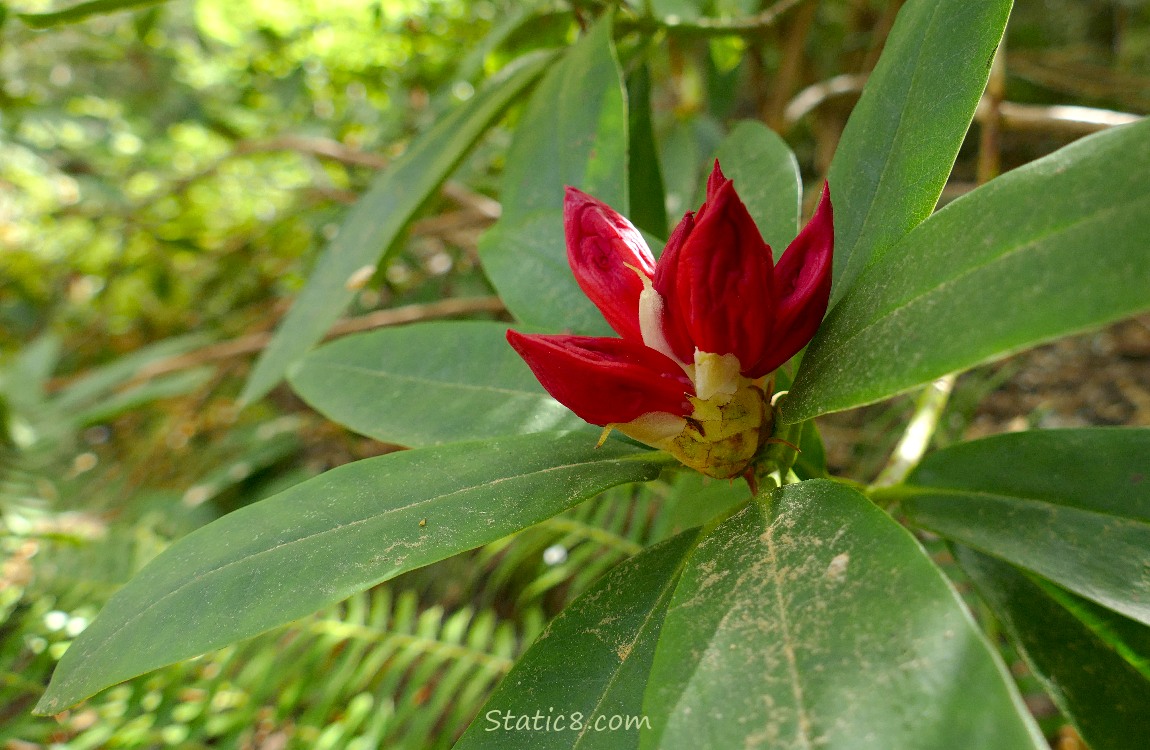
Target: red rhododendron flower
(701, 329)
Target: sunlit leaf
(428, 384)
(903, 136)
(325, 539)
(82, 11)
(1070, 505)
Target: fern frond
(377, 670)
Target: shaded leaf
(1105, 695)
(766, 177)
(1070, 505)
(592, 660)
(645, 178)
(574, 132)
(815, 620)
(428, 384)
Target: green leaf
(592, 660)
(24, 378)
(325, 539)
(766, 176)
(645, 179)
(817, 621)
(574, 132)
(1049, 249)
(428, 384)
(82, 11)
(1103, 693)
(1070, 505)
(372, 225)
(902, 138)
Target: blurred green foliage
(175, 170)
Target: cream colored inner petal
(657, 428)
(651, 322)
(715, 373)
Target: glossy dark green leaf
(1104, 694)
(325, 539)
(428, 384)
(903, 136)
(590, 665)
(815, 620)
(1070, 505)
(1049, 249)
(766, 177)
(574, 132)
(376, 220)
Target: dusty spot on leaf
(837, 569)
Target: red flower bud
(701, 328)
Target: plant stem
(914, 441)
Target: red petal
(714, 181)
(674, 329)
(723, 283)
(604, 380)
(803, 286)
(600, 246)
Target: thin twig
(255, 342)
(1058, 118)
(326, 148)
(790, 67)
(815, 95)
(989, 138)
